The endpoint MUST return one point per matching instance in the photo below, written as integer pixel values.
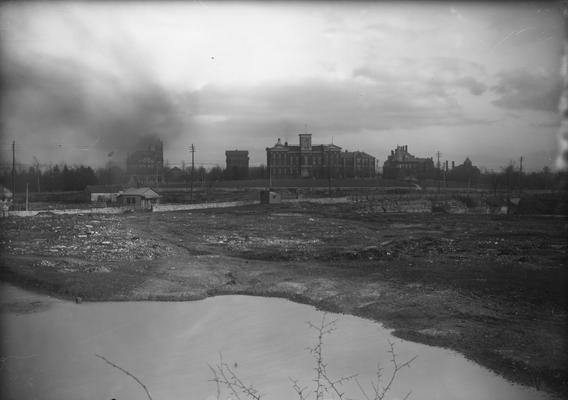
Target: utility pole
(13, 170)
(521, 175)
(192, 149)
(438, 154)
(446, 174)
(37, 173)
(329, 172)
(270, 172)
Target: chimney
(446, 165)
(453, 164)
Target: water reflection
(50, 353)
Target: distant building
(316, 161)
(145, 166)
(465, 172)
(401, 164)
(138, 198)
(357, 164)
(174, 174)
(5, 193)
(6, 197)
(237, 164)
(269, 197)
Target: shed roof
(144, 192)
(5, 193)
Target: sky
(82, 82)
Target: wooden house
(138, 198)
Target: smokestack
(453, 164)
(446, 165)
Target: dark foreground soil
(491, 287)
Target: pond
(49, 349)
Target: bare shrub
(323, 383)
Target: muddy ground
(491, 287)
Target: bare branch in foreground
(127, 373)
(322, 380)
(224, 375)
(379, 394)
(299, 390)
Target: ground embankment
(491, 287)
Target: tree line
(57, 178)
(76, 178)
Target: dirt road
(490, 287)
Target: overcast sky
(83, 80)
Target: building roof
(242, 152)
(144, 192)
(315, 147)
(5, 193)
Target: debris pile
(92, 238)
(395, 249)
(267, 247)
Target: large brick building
(401, 164)
(317, 161)
(237, 164)
(145, 166)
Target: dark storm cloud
(52, 95)
(523, 89)
(101, 97)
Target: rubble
(102, 239)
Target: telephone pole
(520, 175)
(192, 149)
(438, 154)
(13, 170)
(329, 173)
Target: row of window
(275, 170)
(281, 159)
(278, 171)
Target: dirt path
(493, 288)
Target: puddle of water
(50, 353)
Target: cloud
(522, 89)
(327, 107)
(440, 74)
(69, 103)
(474, 86)
(525, 24)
